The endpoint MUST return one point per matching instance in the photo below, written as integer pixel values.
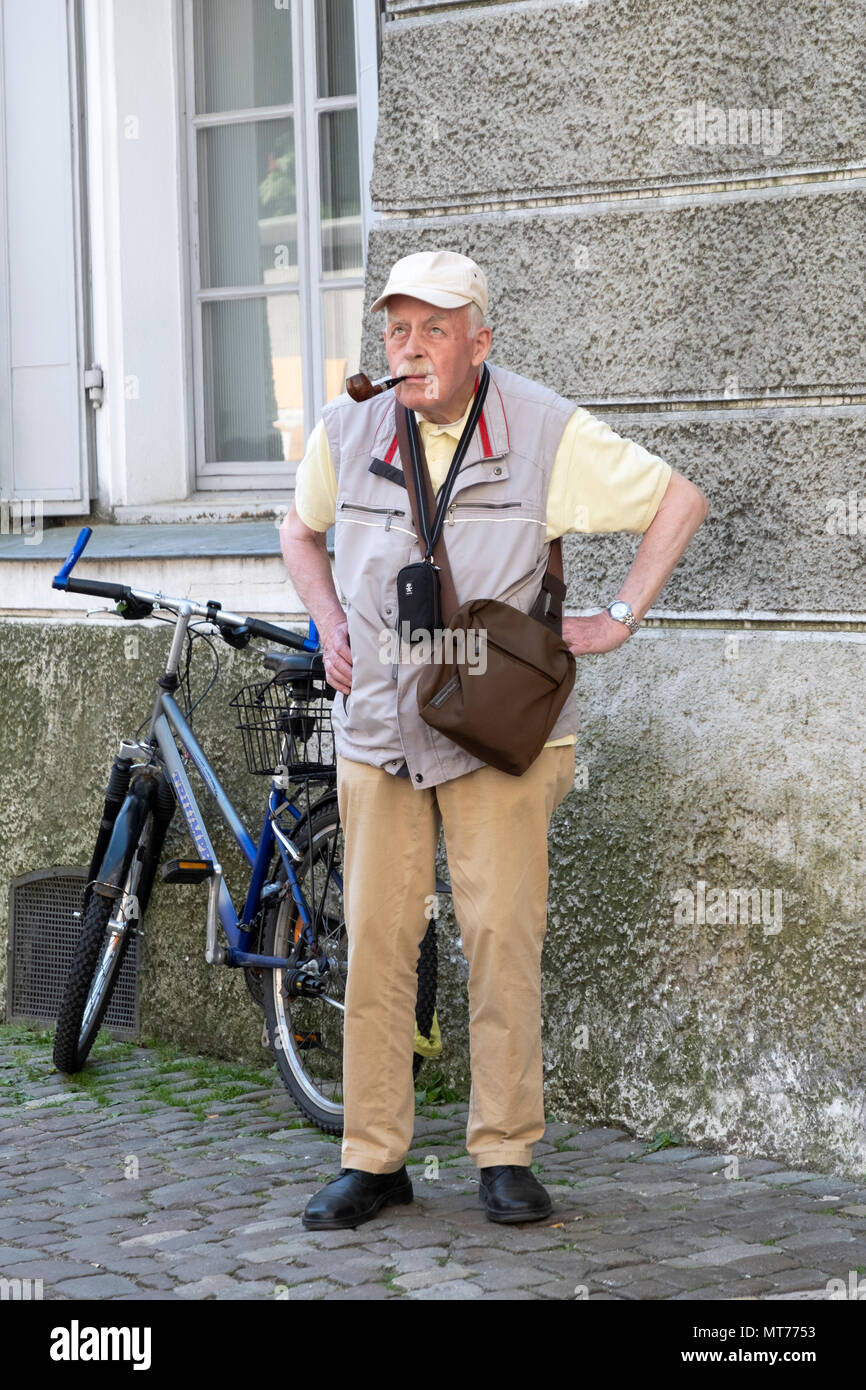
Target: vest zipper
(452, 505)
(383, 511)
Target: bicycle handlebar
(102, 588)
(80, 542)
(277, 634)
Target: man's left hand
(600, 633)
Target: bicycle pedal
(187, 870)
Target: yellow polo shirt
(600, 481)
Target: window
(278, 205)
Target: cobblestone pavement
(155, 1175)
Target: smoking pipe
(361, 388)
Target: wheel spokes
(311, 1028)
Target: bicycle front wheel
(99, 953)
(104, 940)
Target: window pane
(243, 54)
(254, 410)
(341, 312)
(342, 253)
(335, 47)
(247, 207)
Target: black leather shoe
(354, 1196)
(511, 1193)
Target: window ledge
(180, 540)
(206, 506)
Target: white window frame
(279, 475)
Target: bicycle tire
(69, 1055)
(289, 1042)
(82, 1010)
(93, 972)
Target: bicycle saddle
(289, 664)
(303, 673)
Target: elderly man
(537, 467)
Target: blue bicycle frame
(169, 723)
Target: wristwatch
(621, 611)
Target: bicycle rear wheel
(306, 1033)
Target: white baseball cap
(443, 278)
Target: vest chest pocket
(492, 542)
(365, 513)
(476, 509)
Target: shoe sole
(400, 1197)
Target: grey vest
(494, 534)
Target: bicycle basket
(281, 729)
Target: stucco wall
(69, 692)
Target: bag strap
(440, 559)
(546, 610)
(549, 610)
(430, 531)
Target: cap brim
(441, 298)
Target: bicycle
(290, 937)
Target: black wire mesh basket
(286, 726)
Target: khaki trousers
(496, 841)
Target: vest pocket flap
(512, 632)
(387, 470)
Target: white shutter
(42, 413)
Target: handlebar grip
(61, 580)
(102, 588)
(279, 634)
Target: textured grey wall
(668, 302)
(550, 98)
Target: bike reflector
(187, 870)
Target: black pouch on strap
(419, 601)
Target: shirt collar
(490, 440)
(455, 429)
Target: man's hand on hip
(600, 633)
(337, 656)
